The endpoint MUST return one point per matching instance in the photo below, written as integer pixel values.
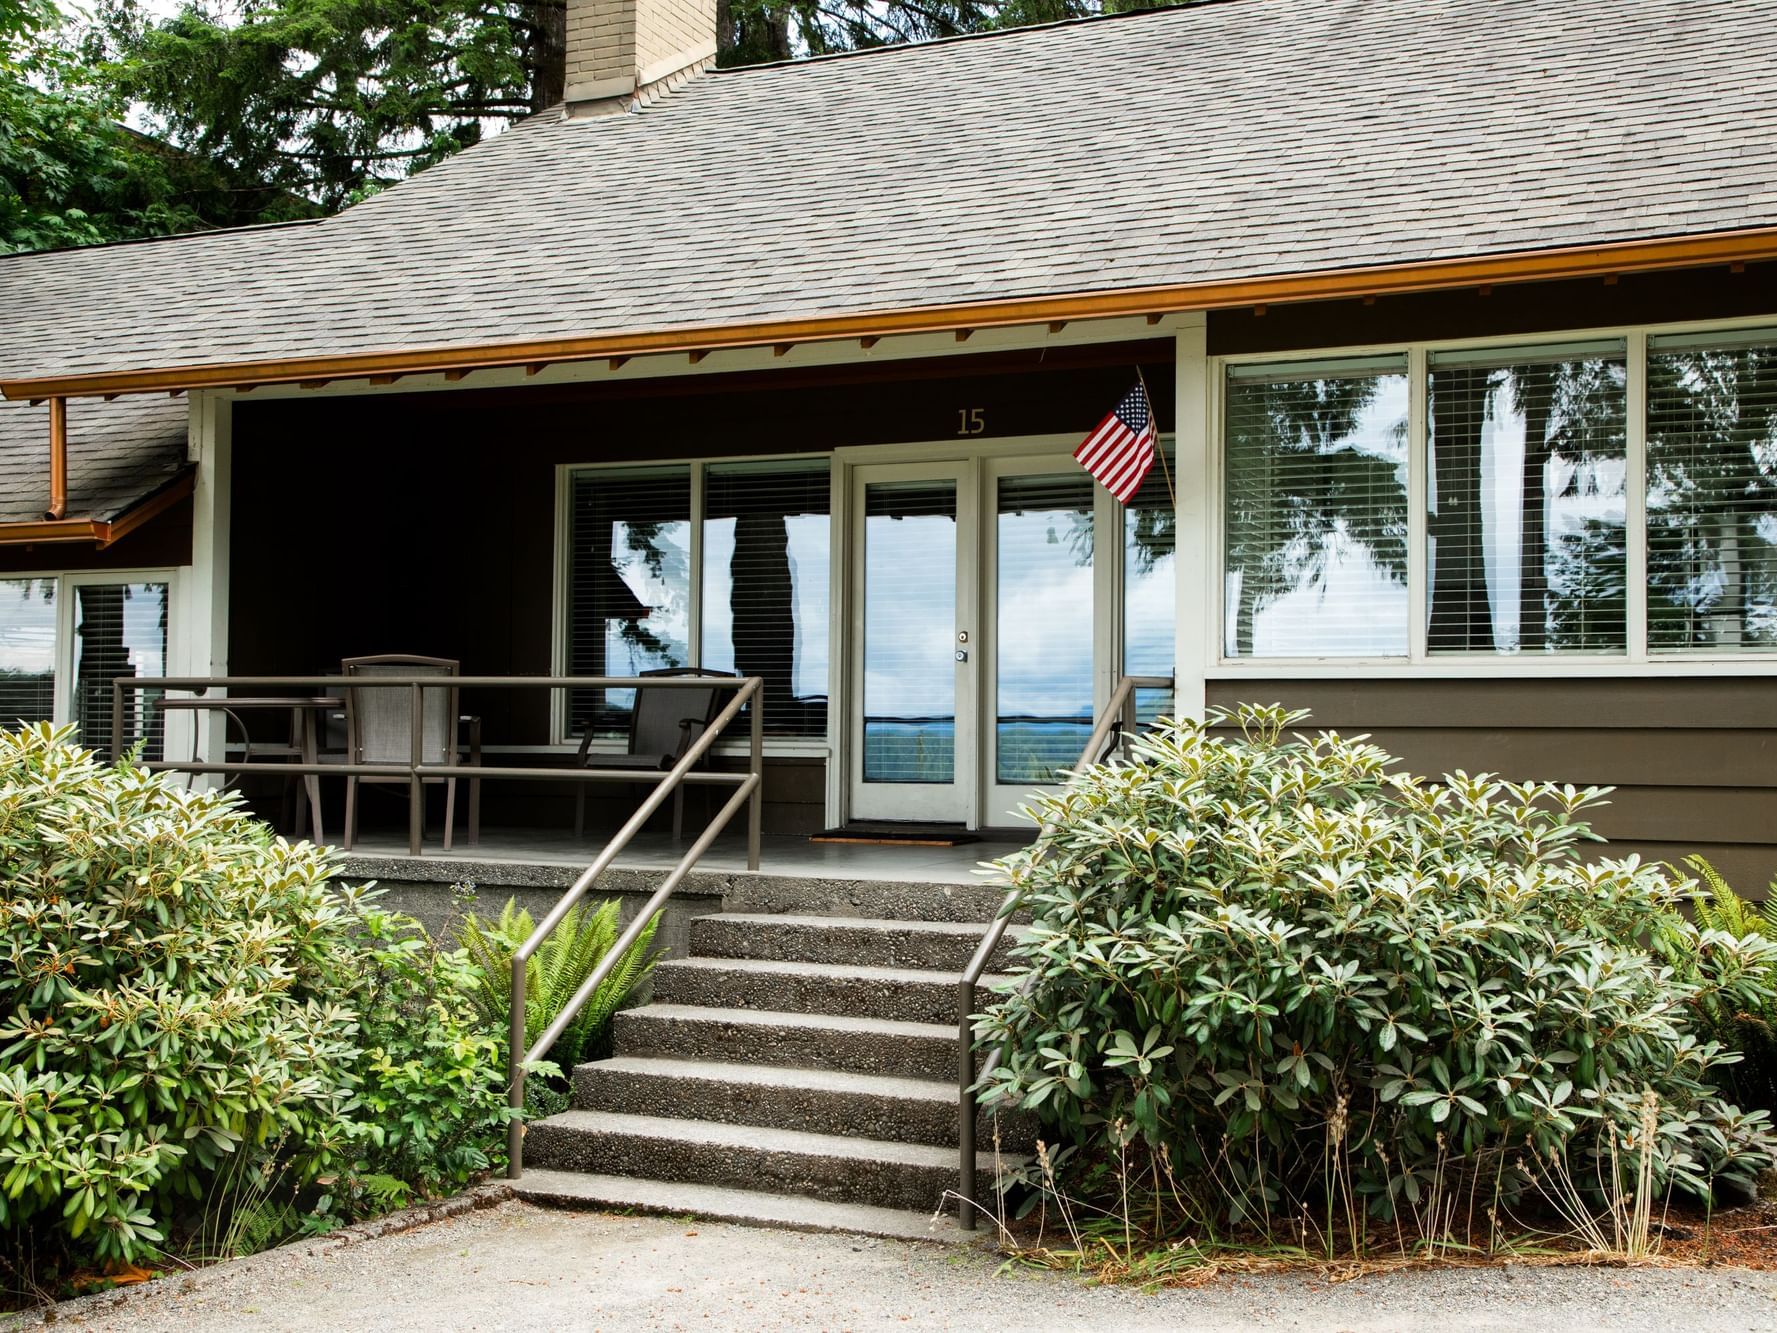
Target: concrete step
(941, 946)
(821, 1101)
(838, 1169)
(577, 1189)
(894, 900)
(791, 1040)
(910, 995)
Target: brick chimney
(620, 48)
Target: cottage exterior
(1459, 321)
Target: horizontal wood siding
(1693, 761)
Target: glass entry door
(913, 662)
(1040, 584)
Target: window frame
(66, 580)
(698, 468)
(1419, 663)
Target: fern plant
(556, 971)
(1750, 1029)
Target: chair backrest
(655, 728)
(379, 720)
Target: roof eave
(1745, 245)
(101, 532)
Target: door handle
(962, 654)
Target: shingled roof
(1217, 141)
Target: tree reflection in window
(1712, 497)
(1316, 540)
(1527, 512)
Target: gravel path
(514, 1267)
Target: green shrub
(433, 1074)
(202, 1044)
(1742, 1023)
(1294, 974)
(172, 994)
(561, 964)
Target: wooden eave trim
(101, 532)
(1728, 247)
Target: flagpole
(1165, 471)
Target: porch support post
(201, 613)
(1194, 443)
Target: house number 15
(970, 421)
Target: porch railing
(1117, 721)
(417, 772)
(748, 791)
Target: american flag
(1120, 449)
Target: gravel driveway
(515, 1267)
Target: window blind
(1150, 603)
(1527, 501)
(27, 651)
(766, 553)
(120, 629)
(909, 671)
(1043, 647)
(1315, 547)
(629, 586)
(1712, 495)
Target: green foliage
(202, 1044)
(433, 1092)
(565, 960)
(1295, 973)
(1742, 1023)
(71, 175)
(172, 995)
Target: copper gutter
(58, 459)
(1749, 245)
(101, 532)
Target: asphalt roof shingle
(1237, 139)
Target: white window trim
(560, 742)
(1419, 664)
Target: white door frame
(844, 717)
(952, 802)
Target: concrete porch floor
(554, 856)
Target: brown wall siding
(1647, 298)
(425, 523)
(1694, 761)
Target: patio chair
(379, 730)
(663, 724)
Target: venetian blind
(27, 651)
(1315, 538)
(766, 554)
(1526, 500)
(120, 629)
(629, 585)
(1712, 494)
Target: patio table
(303, 710)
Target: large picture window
(1527, 501)
(1712, 494)
(718, 565)
(1316, 511)
(65, 638)
(765, 576)
(1530, 469)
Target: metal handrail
(418, 772)
(751, 688)
(1119, 718)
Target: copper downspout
(58, 459)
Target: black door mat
(904, 835)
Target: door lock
(962, 636)
(962, 654)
